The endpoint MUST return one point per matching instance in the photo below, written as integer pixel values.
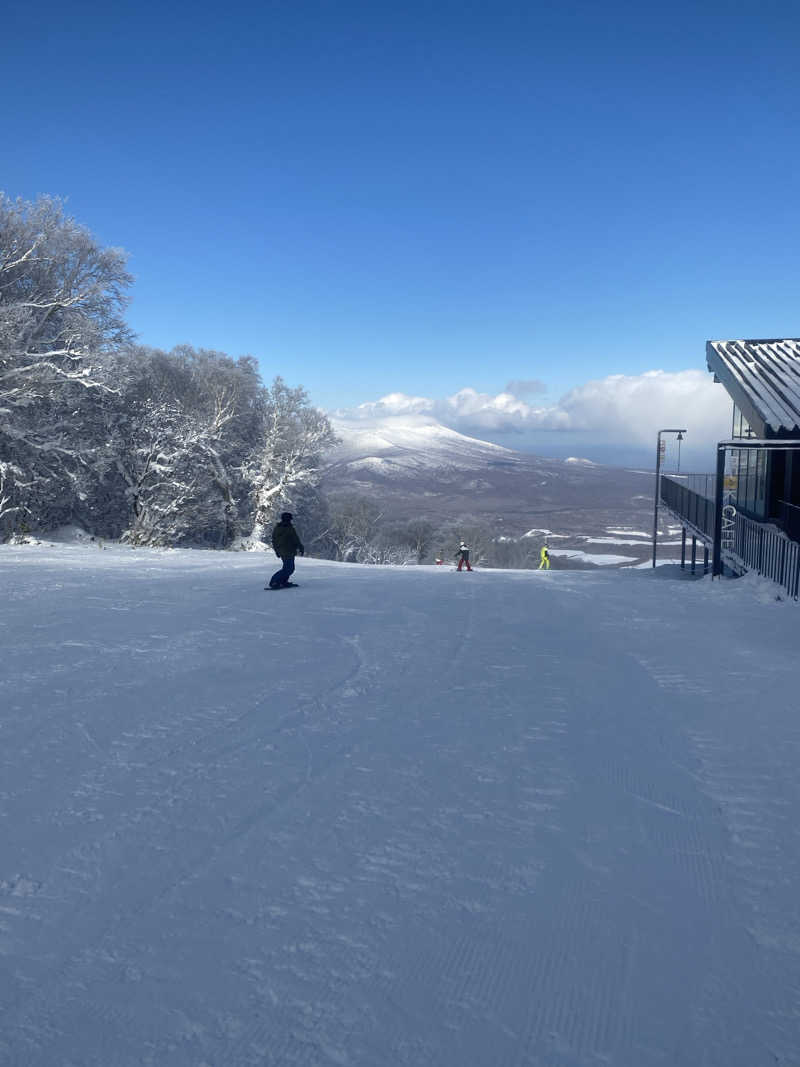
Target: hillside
(406, 444)
(395, 816)
(415, 466)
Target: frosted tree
(479, 537)
(295, 438)
(355, 528)
(179, 444)
(416, 535)
(521, 553)
(11, 492)
(61, 303)
(185, 447)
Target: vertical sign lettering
(729, 487)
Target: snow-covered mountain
(410, 444)
(413, 465)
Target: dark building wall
(777, 463)
(790, 503)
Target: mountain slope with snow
(411, 443)
(393, 816)
(413, 465)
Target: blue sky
(425, 197)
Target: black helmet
(286, 516)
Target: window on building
(741, 427)
(741, 490)
(752, 478)
(739, 473)
(750, 466)
(761, 484)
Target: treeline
(179, 448)
(358, 532)
(186, 447)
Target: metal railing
(789, 518)
(759, 546)
(767, 550)
(704, 485)
(691, 498)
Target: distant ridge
(406, 443)
(412, 465)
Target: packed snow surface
(394, 816)
(623, 541)
(546, 533)
(600, 558)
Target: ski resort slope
(394, 816)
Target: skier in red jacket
(463, 557)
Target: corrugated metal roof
(763, 377)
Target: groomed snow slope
(393, 817)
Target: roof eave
(722, 373)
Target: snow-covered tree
(295, 437)
(521, 553)
(61, 303)
(416, 536)
(354, 527)
(11, 492)
(185, 447)
(480, 538)
(178, 442)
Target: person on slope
(287, 544)
(463, 556)
(544, 559)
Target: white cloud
(632, 407)
(503, 413)
(391, 404)
(619, 409)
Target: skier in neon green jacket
(544, 559)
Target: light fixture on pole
(680, 434)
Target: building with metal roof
(763, 379)
(748, 511)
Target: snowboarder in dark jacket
(287, 544)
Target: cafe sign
(730, 485)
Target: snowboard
(286, 585)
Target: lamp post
(680, 434)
